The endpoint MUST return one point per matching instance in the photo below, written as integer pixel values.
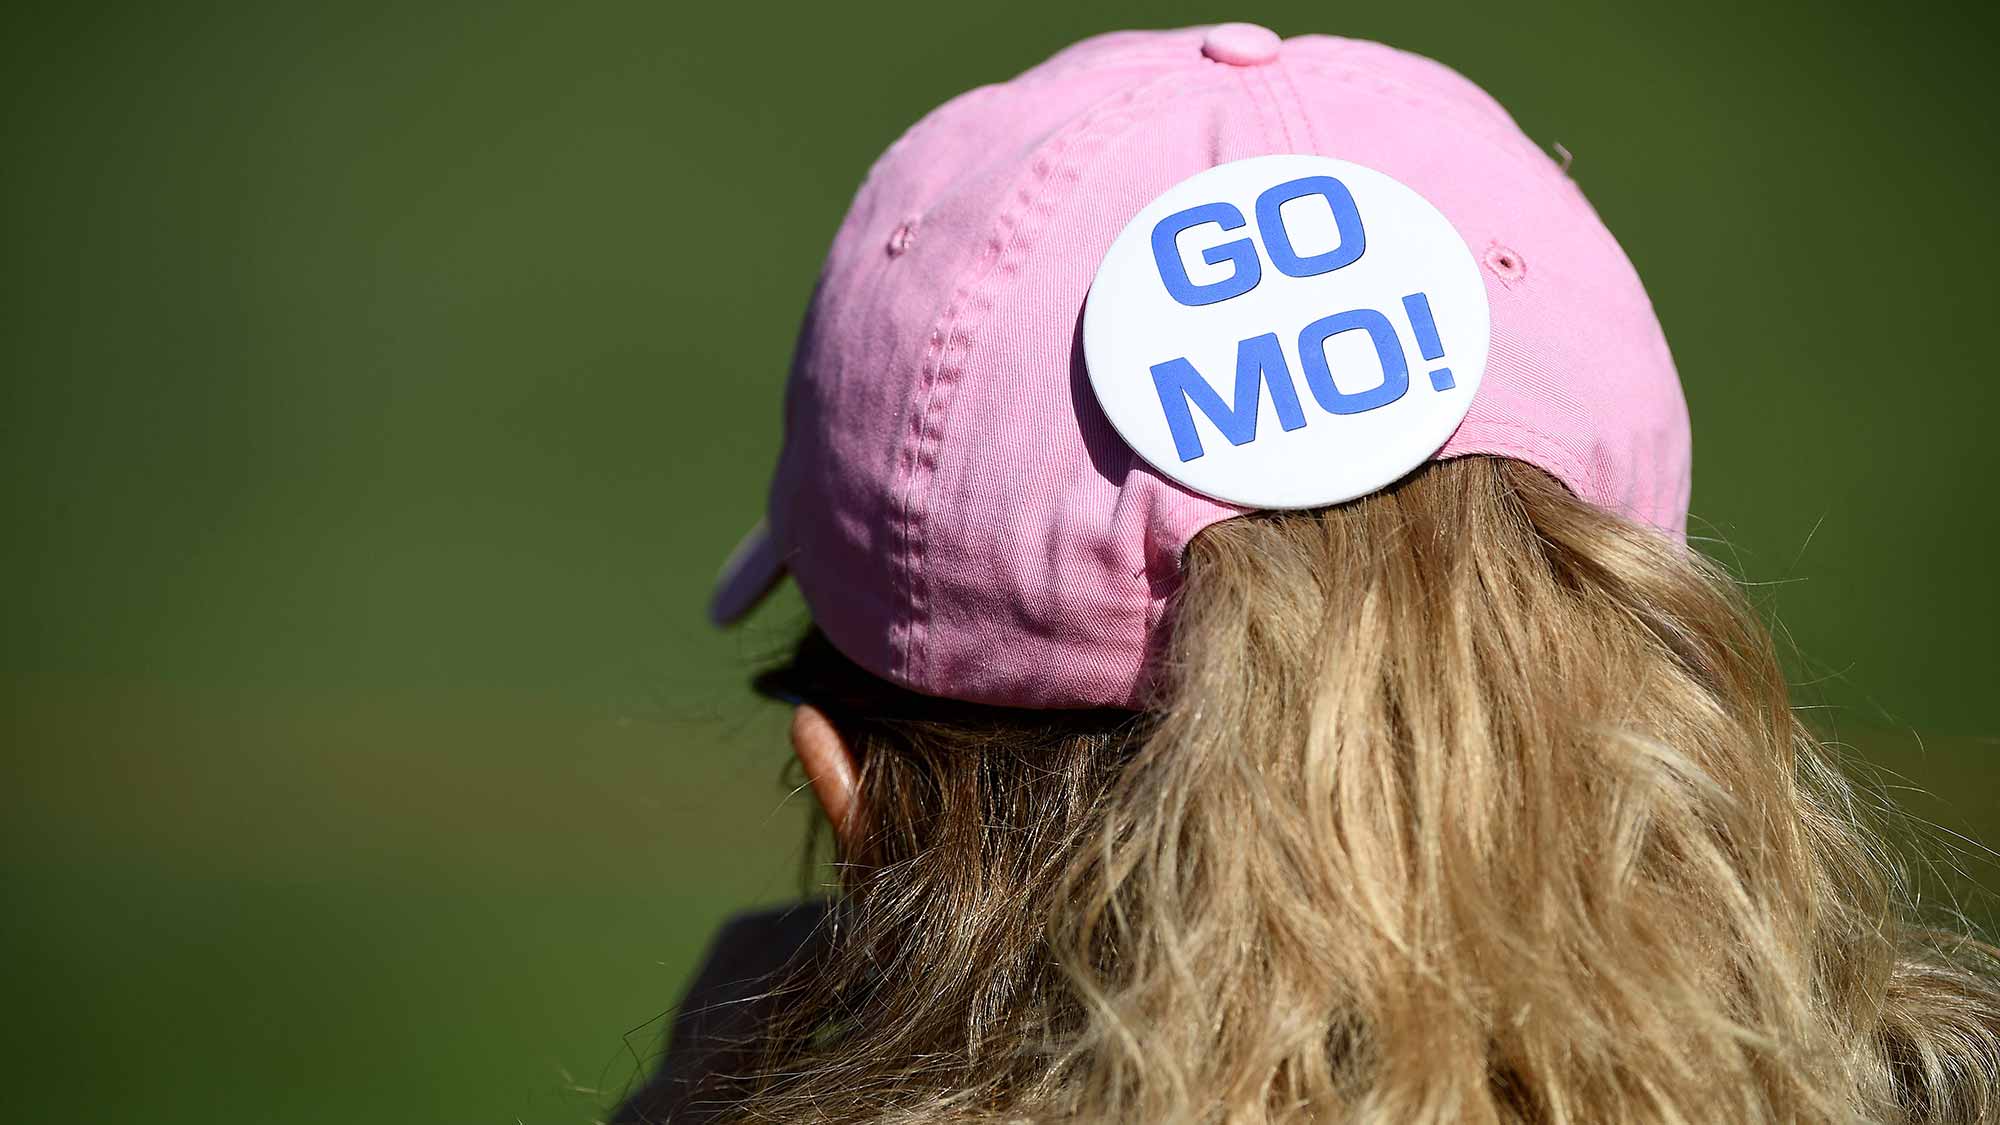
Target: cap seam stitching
(1267, 109)
(959, 319)
(1299, 105)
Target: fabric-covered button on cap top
(1241, 44)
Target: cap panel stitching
(1267, 108)
(951, 337)
(1299, 104)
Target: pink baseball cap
(960, 513)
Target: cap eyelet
(900, 238)
(1505, 264)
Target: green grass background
(383, 383)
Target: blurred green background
(385, 381)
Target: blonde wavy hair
(1464, 802)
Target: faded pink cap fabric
(957, 511)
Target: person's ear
(829, 766)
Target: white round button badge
(1287, 331)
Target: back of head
(1463, 802)
(1240, 488)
